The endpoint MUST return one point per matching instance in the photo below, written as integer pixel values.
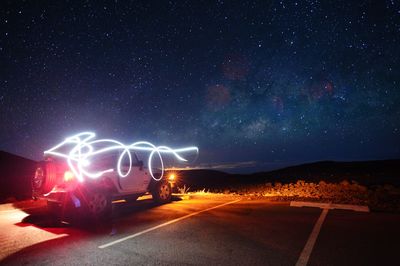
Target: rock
(345, 183)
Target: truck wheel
(98, 204)
(54, 208)
(55, 211)
(162, 192)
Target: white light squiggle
(84, 149)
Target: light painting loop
(85, 147)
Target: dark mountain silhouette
(367, 173)
(15, 176)
(16, 173)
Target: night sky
(254, 84)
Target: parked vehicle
(55, 182)
(86, 173)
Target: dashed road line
(357, 208)
(305, 254)
(164, 224)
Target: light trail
(86, 147)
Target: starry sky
(256, 85)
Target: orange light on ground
(68, 176)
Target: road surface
(205, 230)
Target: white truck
(86, 174)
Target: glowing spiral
(85, 147)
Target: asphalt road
(199, 231)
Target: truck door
(137, 180)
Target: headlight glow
(171, 177)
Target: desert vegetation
(378, 197)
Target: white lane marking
(164, 224)
(358, 208)
(14, 237)
(305, 254)
(23, 209)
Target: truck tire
(98, 204)
(162, 192)
(55, 211)
(54, 208)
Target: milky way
(256, 83)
